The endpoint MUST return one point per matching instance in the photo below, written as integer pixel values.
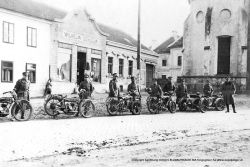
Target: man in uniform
(208, 89)
(155, 89)
(133, 88)
(113, 88)
(169, 86)
(181, 90)
(87, 85)
(21, 89)
(228, 90)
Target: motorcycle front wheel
(151, 105)
(112, 107)
(22, 111)
(204, 105)
(172, 107)
(87, 108)
(136, 108)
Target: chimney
(175, 35)
(152, 46)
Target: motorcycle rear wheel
(51, 106)
(87, 108)
(18, 114)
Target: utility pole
(139, 45)
(248, 49)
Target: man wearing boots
(228, 90)
(87, 86)
(208, 89)
(169, 86)
(113, 88)
(181, 90)
(133, 88)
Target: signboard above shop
(79, 37)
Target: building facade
(64, 47)
(170, 58)
(215, 42)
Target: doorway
(223, 66)
(81, 66)
(149, 74)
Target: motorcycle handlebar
(7, 92)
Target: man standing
(228, 90)
(181, 90)
(87, 85)
(113, 88)
(22, 87)
(169, 86)
(133, 88)
(155, 89)
(208, 89)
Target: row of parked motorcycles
(196, 101)
(21, 109)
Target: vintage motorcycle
(21, 109)
(124, 104)
(57, 104)
(163, 103)
(216, 101)
(191, 101)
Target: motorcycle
(216, 101)
(58, 104)
(20, 109)
(157, 104)
(191, 101)
(127, 103)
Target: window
(164, 77)
(130, 67)
(7, 71)
(64, 64)
(8, 32)
(121, 67)
(164, 63)
(31, 37)
(110, 65)
(97, 52)
(179, 61)
(31, 68)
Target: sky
(159, 18)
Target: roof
(163, 48)
(42, 11)
(177, 44)
(119, 36)
(33, 8)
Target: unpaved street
(123, 140)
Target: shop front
(78, 48)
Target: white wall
(21, 54)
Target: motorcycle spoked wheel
(51, 106)
(87, 108)
(220, 105)
(23, 114)
(136, 108)
(203, 105)
(151, 104)
(112, 107)
(172, 106)
(183, 105)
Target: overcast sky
(158, 17)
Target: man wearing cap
(87, 85)
(22, 87)
(155, 89)
(208, 89)
(181, 90)
(113, 88)
(133, 88)
(169, 85)
(228, 90)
